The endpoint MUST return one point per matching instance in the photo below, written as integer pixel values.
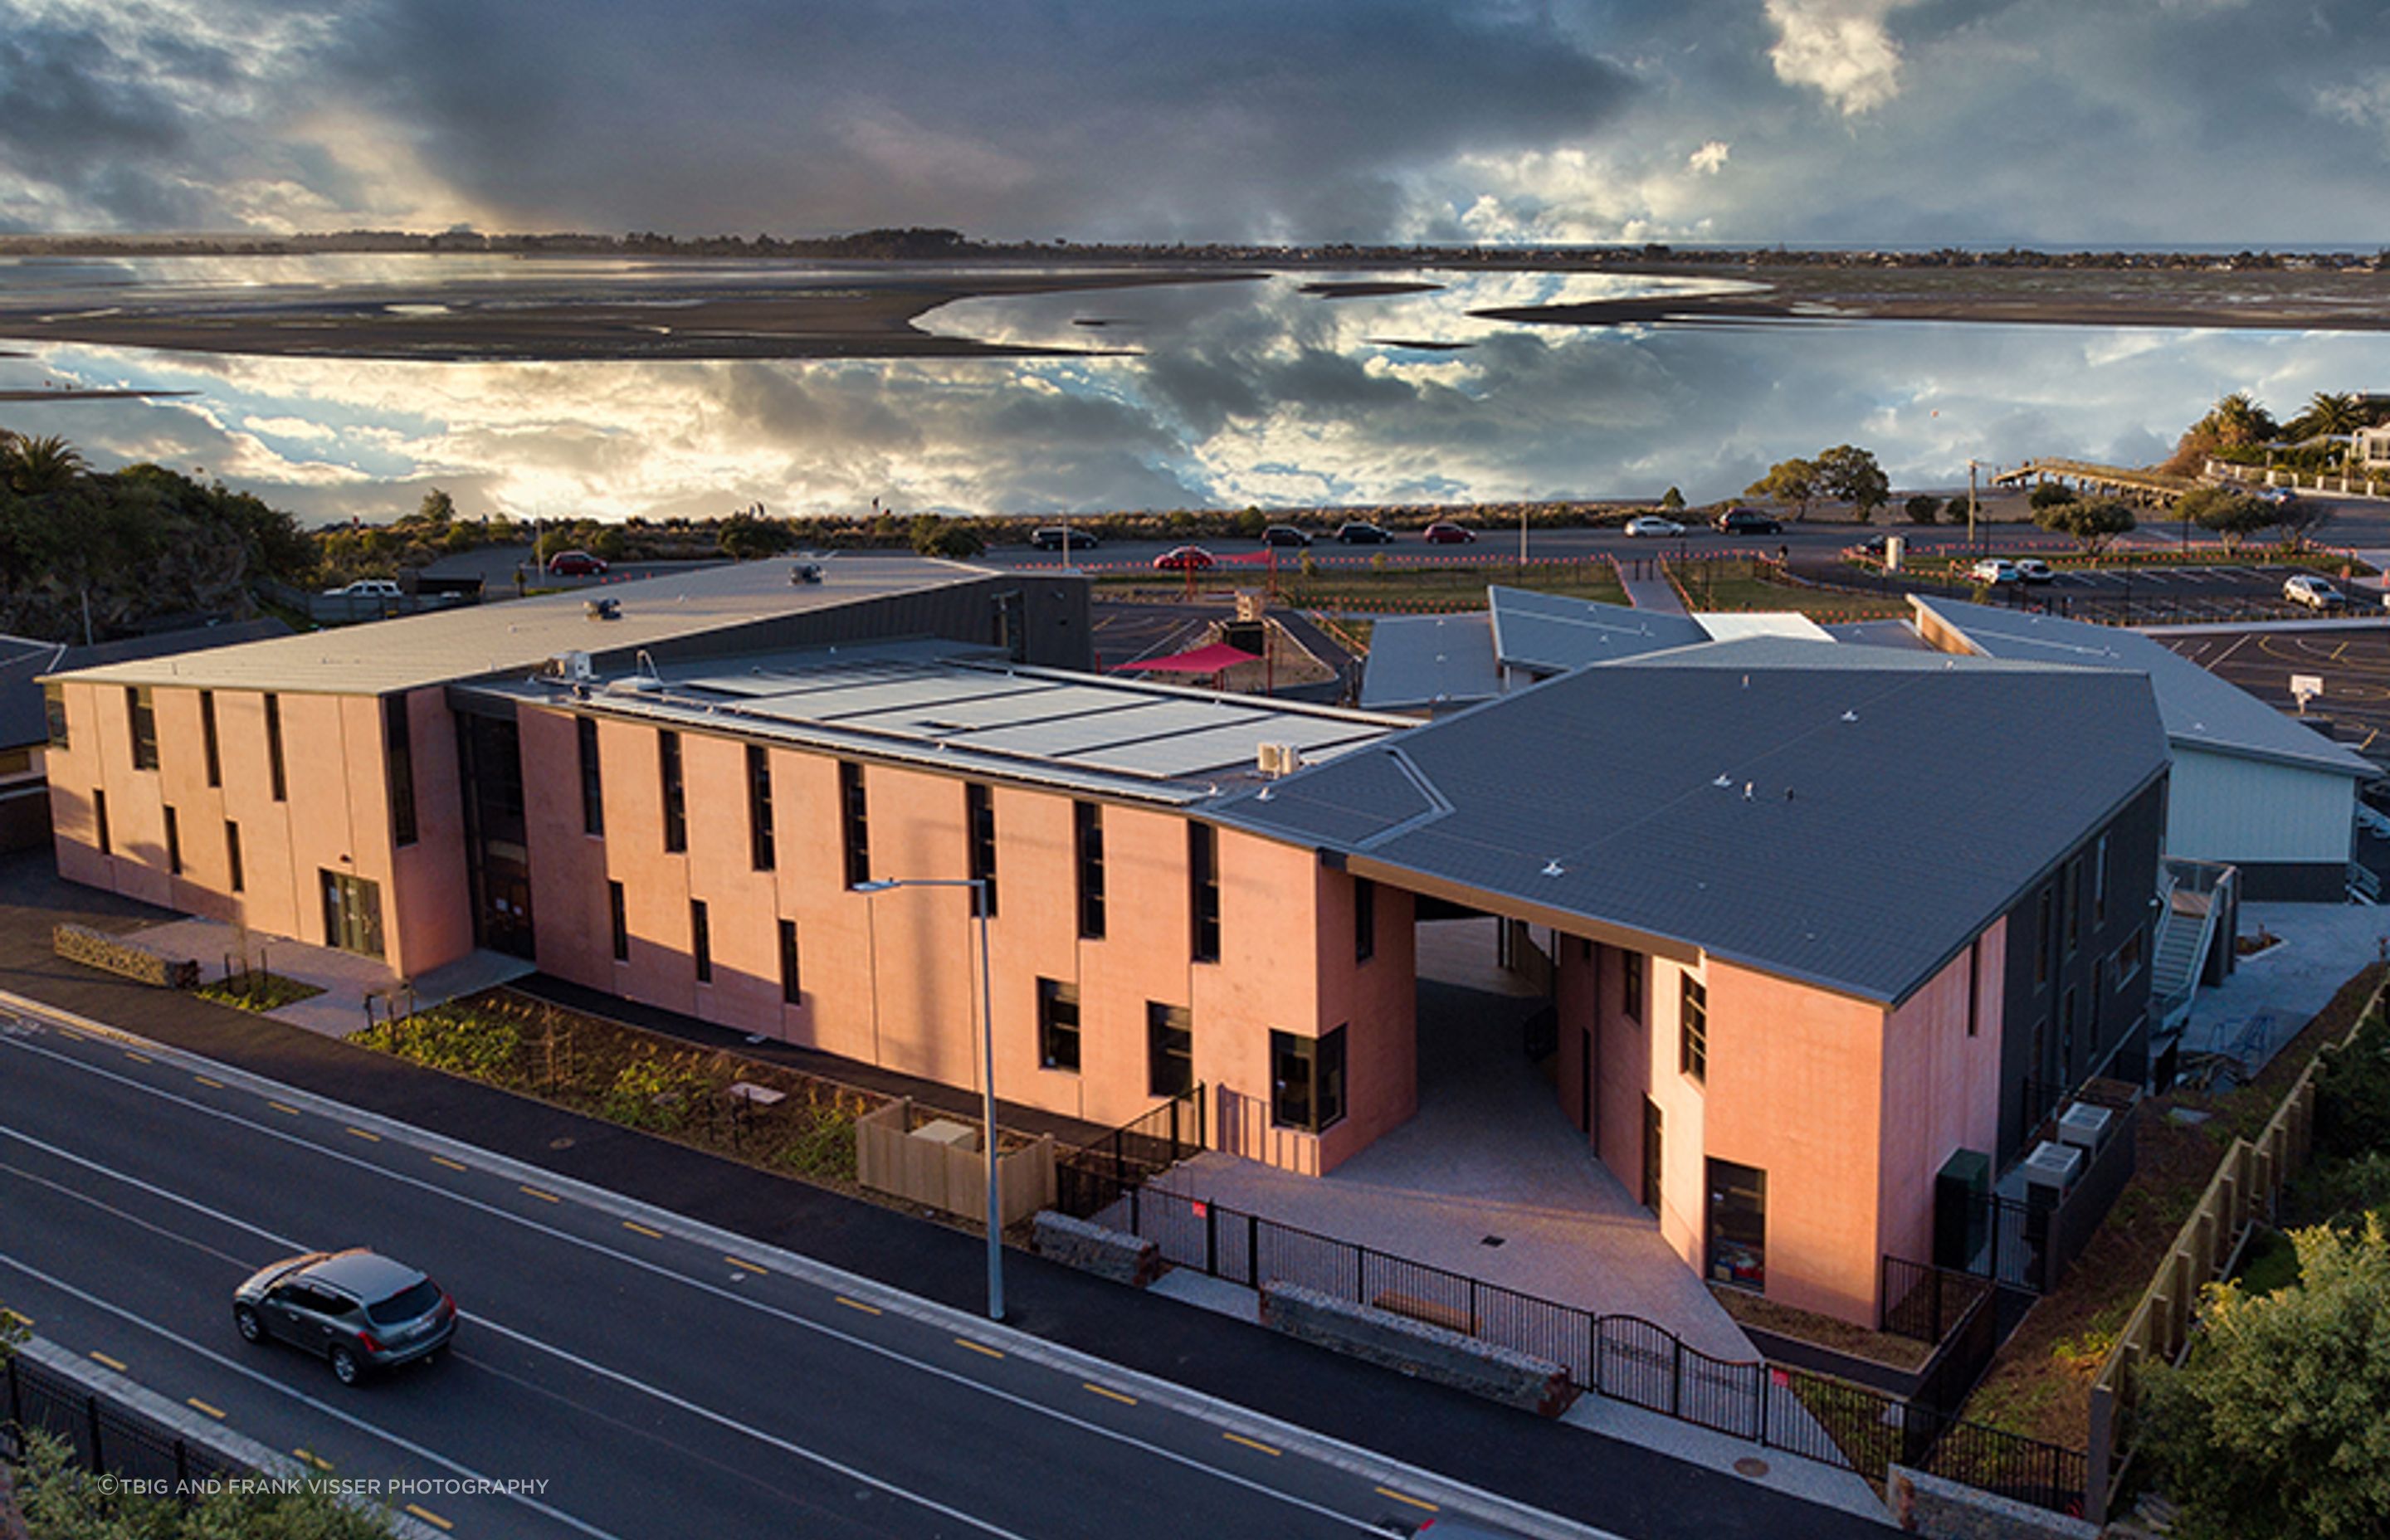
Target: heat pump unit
(2084, 1126)
(2052, 1166)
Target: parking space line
(1406, 1498)
(116, 1364)
(453, 1165)
(636, 1228)
(429, 1517)
(1253, 1444)
(197, 1405)
(1106, 1394)
(979, 1347)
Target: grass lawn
(258, 991)
(2040, 1382)
(1394, 588)
(1738, 583)
(1951, 569)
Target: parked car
(366, 588)
(1183, 558)
(2281, 497)
(2032, 568)
(1447, 535)
(1652, 526)
(357, 1310)
(2314, 592)
(1362, 534)
(1994, 569)
(1749, 522)
(1061, 537)
(1284, 534)
(576, 564)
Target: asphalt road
(654, 1387)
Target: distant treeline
(930, 244)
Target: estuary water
(1305, 388)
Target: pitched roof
(1848, 816)
(2199, 710)
(1550, 633)
(1428, 661)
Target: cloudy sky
(2048, 122)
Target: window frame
(236, 874)
(979, 841)
(1203, 892)
(672, 776)
(618, 915)
(1087, 868)
(173, 840)
(61, 735)
(792, 983)
(398, 754)
(700, 939)
(1315, 1100)
(211, 746)
(277, 768)
(762, 842)
(1365, 920)
(141, 722)
(1693, 1029)
(1632, 968)
(1169, 1049)
(99, 820)
(593, 777)
(1060, 1047)
(854, 823)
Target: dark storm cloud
(70, 111)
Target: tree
(437, 507)
(2274, 1425)
(2232, 428)
(1673, 500)
(2298, 518)
(1850, 475)
(2049, 494)
(1955, 510)
(2093, 523)
(32, 468)
(1793, 482)
(747, 538)
(2232, 516)
(2327, 414)
(953, 538)
(1923, 509)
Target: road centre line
(979, 1347)
(1107, 1394)
(850, 1304)
(196, 1405)
(453, 1165)
(1197, 1405)
(638, 1228)
(1253, 1444)
(313, 1403)
(430, 1518)
(1404, 1498)
(116, 1364)
(211, 1084)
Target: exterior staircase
(2194, 896)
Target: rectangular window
(2100, 883)
(2128, 958)
(232, 854)
(701, 940)
(2071, 899)
(1306, 1080)
(1057, 1025)
(398, 744)
(1365, 919)
(1974, 985)
(675, 798)
(2043, 915)
(208, 748)
(1087, 842)
(141, 713)
(1738, 1240)
(1694, 1029)
(593, 778)
(1203, 893)
(979, 818)
(1169, 1050)
(1652, 1126)
(274, 748)
(793, 989)
(99, 819)
(1630, 984)
(762, 853)
(854, 823)
(619, 916)
(54, 714)
(173, 842)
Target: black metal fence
(1924, 1302)
(106, 1437)
(1623, 1357)
(1091, 1178)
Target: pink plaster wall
(1940, 1091)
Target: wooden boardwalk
(2146, 486)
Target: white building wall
(2226, 808)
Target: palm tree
(2238, 422)
(32, 466)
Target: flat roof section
(416, 652)
(1424, 661)
(1550, 635)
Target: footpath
(1580, 1475)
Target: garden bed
(1761, 1314)
(257, 992)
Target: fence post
(1252, 1251)
(1474, 1329)
(1211, 1240)
(1676, 1378)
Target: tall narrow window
(1630, 984)
(1974, 985)
(274, 748)
(2071, 899)
(99, 819)
(141, 715)
(854, 823)
(1365, 919)
(232, 855)
(1169, 1049)
(1088, 844)
(1057, 1025)
(1694, 1029)
(208, 748)
(398, 747)
(700, 939)
(1203, 891)
(675, 799)
(762, 854)
(54, 714)
(593, 779)
(978, 816)
(793, 989)
(173, 842)
(2044, 916)
(618, 915)
(2100, 883)
(1738, 1240)
(1306, 1080)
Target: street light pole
(978, 886)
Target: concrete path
(1654, 591)
(347, 980)
(2272, 994)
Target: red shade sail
(1203, 660)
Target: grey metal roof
(1849, 816)
(2199, 710)
(24, 664)
(1430, 661)
(419, 651)
(966, 711)
(1549, 634)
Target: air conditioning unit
(574, 666)
(2052, 1166)
(2084, 1126)
(1279, 758)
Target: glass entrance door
(352, 914)
(1738, 1249)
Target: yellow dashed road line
(638, 1228)
(193, 1401)
(21, 1319)
(429, 1517)
(139, 1057)
(977, 1347)
(279, 1107)
(453, 1165)
(116, 1364)
(743, 1262)
(1250, 1443)
(211, 1084)
(1404, 1497)
(543, 1197)
(858, 1304)
(1107, 1394)
(369, 1138)
(320, 1463)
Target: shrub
(1955, 510)
(2049, 495)
(653, 1092)
(1922, 509)
(824, 1148)
(453, 1038)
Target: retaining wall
(1417, 1349)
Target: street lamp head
(878, 885)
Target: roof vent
(572, 665)
(603, 610)
(636, 684)
(806, 571)
(1850, 717)
(1277, 759)
(1724, 779)
(1553, 868)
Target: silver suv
(357, 1310)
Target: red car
(576, 564)
(1183, 558)
(1448, 535)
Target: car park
(1749, 522)
(2315, 593)
(1183, 558)
(357, 1310)
(1362, 534)
(576, 564)
(1995, 570)
(1652, 526)
(1441, 533)
(1284, 534)
(2032, 568)
(1061, 537)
